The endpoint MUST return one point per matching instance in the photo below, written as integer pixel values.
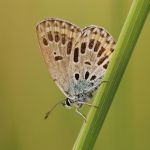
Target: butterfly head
(67, 103)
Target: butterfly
(77, 59)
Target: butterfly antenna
(48, 113)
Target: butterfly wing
(57, 39)
(90, 57)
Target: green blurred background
(27, 91)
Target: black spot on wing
(58, 58)
(86, 75)
(50, 36)
(69, 47)
(102, 60)
(111, 49)
(45, 42)
(88, 63)
(97, 45)
(106, 65)
(93, 77)
(63, 39)
(57, 38)
(101, 51)
(83, 47)
(76, 54)
(91, 43)
(77, 76)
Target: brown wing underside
(92, 53)
(57, 39)
(72, 54)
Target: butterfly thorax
(82, 90)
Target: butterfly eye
(86, 75)
(77, 76)
(67, 103)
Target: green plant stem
(124, 48)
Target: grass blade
(124, 48)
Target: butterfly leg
(78, 111)
(104, 82)
(88, 104)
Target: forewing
(57, 39)
(92, 54)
